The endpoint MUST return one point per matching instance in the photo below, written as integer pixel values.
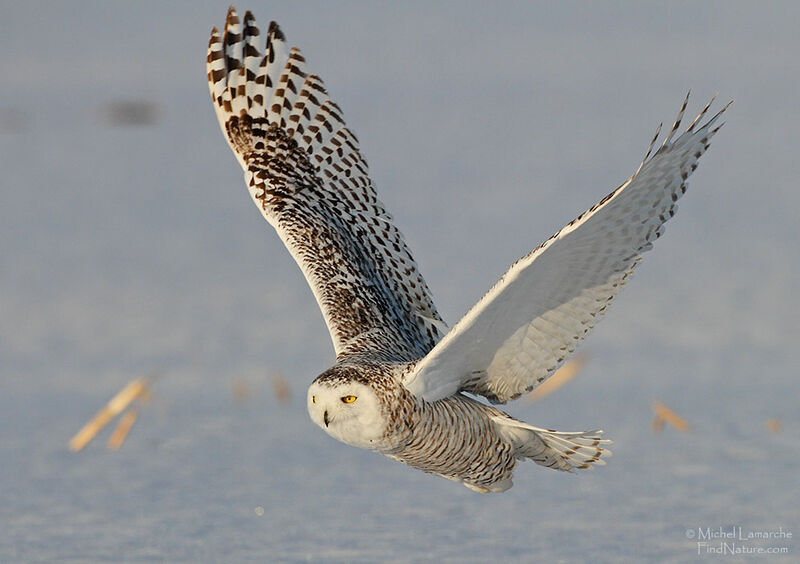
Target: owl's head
(346, 409)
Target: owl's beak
(325, 417)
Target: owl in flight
(400, 383)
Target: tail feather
(560, 450)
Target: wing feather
(524, 328)
(305, 172)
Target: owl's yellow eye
(348, 399)
(314, 399)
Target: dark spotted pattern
(305, 171)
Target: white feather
(524, 328)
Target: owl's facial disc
(347, 411)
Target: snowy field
(134, 250)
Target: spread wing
(306, 174)
(523, 329)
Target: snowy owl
(400, 383)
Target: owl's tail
(560, 450)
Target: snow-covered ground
(131, 251)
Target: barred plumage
(307, 175)
(398, 386)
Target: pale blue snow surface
(133, 250)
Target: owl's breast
(454, 438)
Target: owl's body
(401, 374)
(456, 437)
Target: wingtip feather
(275, 31)
(677, 123)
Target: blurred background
(129, 248)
